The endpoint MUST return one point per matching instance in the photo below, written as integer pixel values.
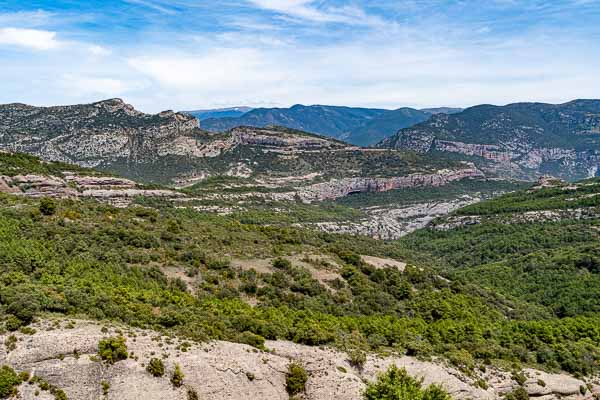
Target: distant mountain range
(521, 141)
(359, 126)
(230, 112)
(170, 148)
(524, 139)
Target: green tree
(397, 384)
(47, 206)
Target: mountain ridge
(525, 138)
(359, 126)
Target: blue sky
(190, 54)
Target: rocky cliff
(523, 139)
(96, 134)
(169, 148)
(116, 191)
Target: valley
(280, 245)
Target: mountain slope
(201, 276)
(231, 112)
(330, 121)
(523, 138)
(385, 125)
(169, 148)
(541, 245)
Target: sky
(198, 54)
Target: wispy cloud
(30, 19)
(154, 5)
(29, 38)
(307, 10)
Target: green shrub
(518, 394)
(13, 323)
(357, 357)
(192, 394)
(282, 263)
(8, 381)
(482, 384)
(177, 377)
(105, 387)
(397, 384)
(541, 383)
(519, 377)
(252, 340)
(296, 378)
(59, 394)
(156, 367)
(112, 349)
(47, 206)
(462, 359)
(23, 307)
(10, 343)
(24, 376)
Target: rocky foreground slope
(64, 353)
(522, 139)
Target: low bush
(112, 349)
(177, 377)
(397, 384)
(9, 381)
(156, 367)
(296, 379)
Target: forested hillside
(206, 276)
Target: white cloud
(304, 9)
(386, 74)
(103, 86)
(29, 38)
(99, 51)
(220, 70)
(27, 19)
(152, 5)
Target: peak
(114, 101)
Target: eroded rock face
(522, 139)
(116, 191)
(390, 223)
(337, 188)
(64, 355)
(95, 134)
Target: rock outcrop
(337, 188)
(390, 223)
(65, 354)
(95, 134)
(116, 191)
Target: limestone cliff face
(282, 139)
(524, 139)
(337, 188)
(119, 192)
(95, 134)
(169, 148)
